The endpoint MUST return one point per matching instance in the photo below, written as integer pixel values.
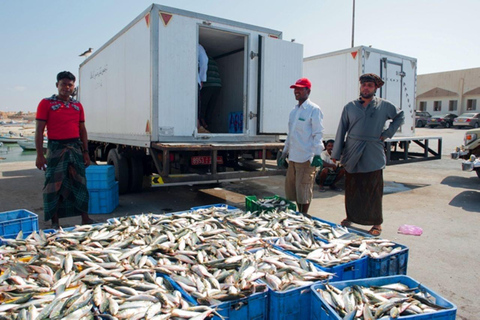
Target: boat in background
(11, 138)
(29, 144)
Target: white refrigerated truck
(334, 78)
(140, 95)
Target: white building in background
(449, 92)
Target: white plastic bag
(410, 230)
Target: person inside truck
(65, 191)
(362, 152)
(202, 77)
(331, 172)
(303, 146)
(210, 92)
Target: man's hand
(281, 159)
(41, 162)
(86, 159)
(316, 161)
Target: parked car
(471, 119)
(421, 118)
(445, 120)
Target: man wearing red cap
(303, 146)
(362, 152)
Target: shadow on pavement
(24, 173)
(472, 182)
(468, 200)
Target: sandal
(346, 223)
(375, 231)
(322, 189)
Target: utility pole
(353, 24)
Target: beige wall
(458, 81)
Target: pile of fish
(392, 300)
(283, 272)
(272, 203)
(121, 270)
(310, 238)
(339, 251)
(106, 270)
(276, 223)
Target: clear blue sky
(39, 38)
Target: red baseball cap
(302, 83)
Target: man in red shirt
(65, 192)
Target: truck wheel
(135, 167)
(121, 169)
(447, 125)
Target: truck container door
(280, 66)
(392, 73)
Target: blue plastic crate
(100, 177)
(392, 264)
(291, 304)
(103, 200)
(253, 307)
(356, 269)
(235, 122)
(321, 310)
(12, 222)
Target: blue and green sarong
(65, 187)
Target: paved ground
(435, 195)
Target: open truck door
(280, 66)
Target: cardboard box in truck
(141, 96)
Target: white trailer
(334, 78)
(140, 95)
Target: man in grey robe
(362, 152)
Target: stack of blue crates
(102, 188)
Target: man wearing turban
(360, 148)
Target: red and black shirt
(63, 118)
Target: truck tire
(121, 169)
(135, 167)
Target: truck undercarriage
(185, 163)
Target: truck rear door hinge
(252, 115)
(253, 55)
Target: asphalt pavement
(434, 195)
